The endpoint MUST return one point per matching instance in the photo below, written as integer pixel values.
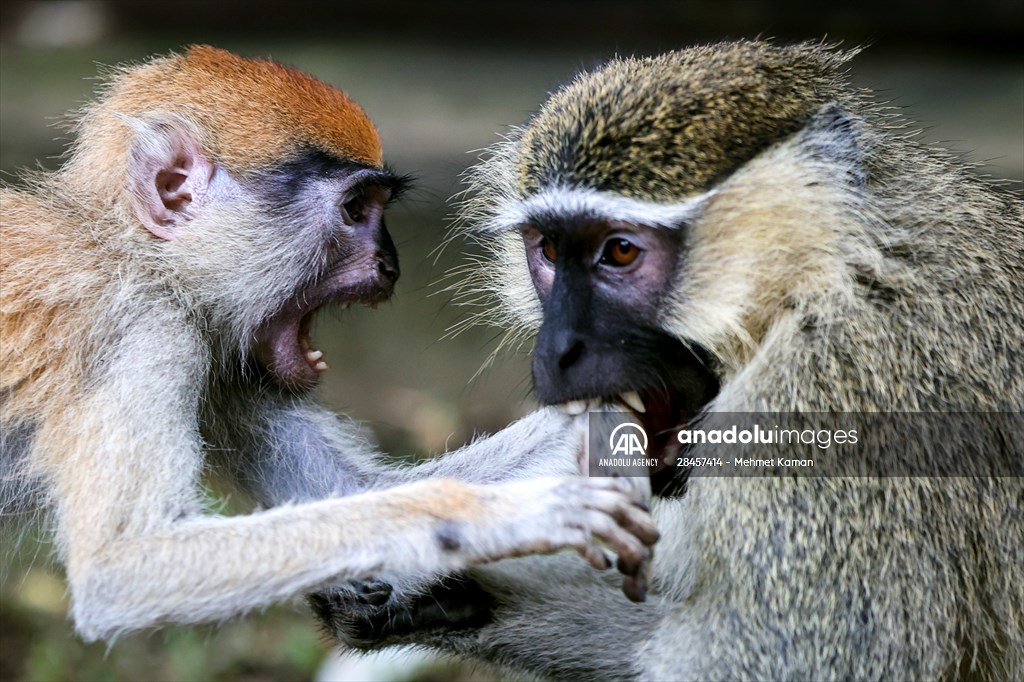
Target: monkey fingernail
(649, 536)
(635, 588)
(631, 567)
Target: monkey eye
(547, 247)
(619, 253)
(351, 211)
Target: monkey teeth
(312, 355)
(313, 358)
(630, 399)
(633, 401)
(574, 408)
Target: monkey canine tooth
(632, 400)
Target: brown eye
(619, 253)
(548, 248)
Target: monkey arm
(546, 442)
(731, 601)
(545, 616)
(580, 625)
(164, 569)
(208, 568)
(139, 551)
(283, 448)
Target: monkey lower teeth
(313, 358)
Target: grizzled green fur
(606, 132)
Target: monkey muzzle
(283, 344)
(663, 388)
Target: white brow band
(596, 205)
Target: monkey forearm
(211, 568)
(544, 443)
(284, 449)
(195, 571)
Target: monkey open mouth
(283, 344)
(661, 408)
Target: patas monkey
(157, 296)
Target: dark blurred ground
(441, 79)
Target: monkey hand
(371, 614)
(544, 515)
(519, 518)
(638, 488)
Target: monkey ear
(169, 174)
(832, 135)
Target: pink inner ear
(170, 185)
(172, 177)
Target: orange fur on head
(254, 112)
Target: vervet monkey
(157, 297)
(734, 228)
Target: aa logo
(628, 439)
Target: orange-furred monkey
(157, 295)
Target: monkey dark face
(356, 261)
(601, 285)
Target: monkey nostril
(570, 357)
(388, 269)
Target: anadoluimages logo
(628, 439)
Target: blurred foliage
(36, 643)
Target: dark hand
(367, 615)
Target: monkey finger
(632, 554)
(373, 592)
(627, 515)
(630, 566)
(635, 587)
(638, 522)
(595, 556)
(636, 488)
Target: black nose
(388, 267)
(560, 363)
(560, 346)
(571, 355)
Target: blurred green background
(440, 79)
